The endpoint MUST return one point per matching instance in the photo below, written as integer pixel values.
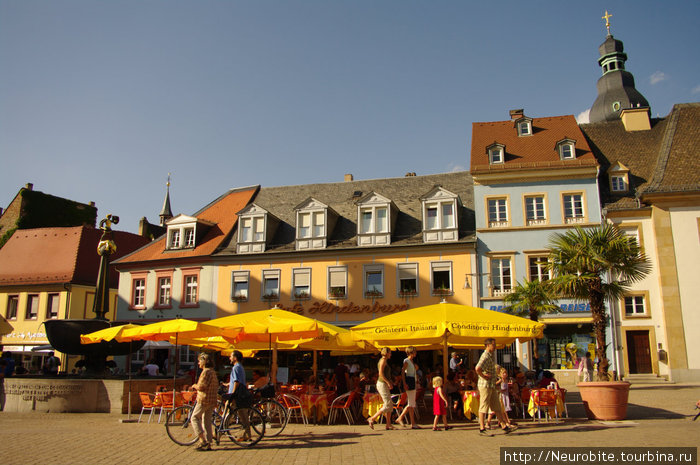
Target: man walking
(488, 394)
(236, 389)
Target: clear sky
(100, 100)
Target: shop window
(441, 278)
(408, 279)
(240, 282)
(337, 282)
(301, 283)
(12, 305)
(52, 304)
(32, 307)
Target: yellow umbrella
(164, 330)
(5, 327)
(447, 325)
(264, 325)
(107, 334)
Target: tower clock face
(616, 106)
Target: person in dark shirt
(342, 377)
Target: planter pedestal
(605, 400)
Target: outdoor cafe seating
(551, 401)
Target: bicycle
(228, 421)
(274, 413)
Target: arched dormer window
(524, 126)
(618, 177)
(566, 149)
(497, 153)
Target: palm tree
(530, 299)
(596, 264)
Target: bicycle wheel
(245, 426)
(178, 424)
(275, 416)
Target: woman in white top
(408, 374)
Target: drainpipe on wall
(67, 288)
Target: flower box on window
(302, 295)
(337, 292)
(271, 296)
(408, 293)
(442, 291)
(374, 294)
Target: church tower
(166, 213)
(616, 91)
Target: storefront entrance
(638, 352)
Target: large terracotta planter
(605, 400)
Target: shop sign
(328, 307)
(564, 308)
(25, 336)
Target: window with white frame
(441, 278)
(189, 237)
(567, 149)
(440, 215)
(618, 183)
(535, 212)
(175, 238)
(496, 154)
(239, 285)
(52, 304)
(525, 128)
(12, 306)
(138, 293)
(537, 268)
(311, 224)
(337, 282)
(164, 291)
(501, 276)
(271, 284)
(498, 212)
(188, 356)
(374, 220)
(407, 275)
(301, 283)
(373, 281)
(190, 287)
(32, 307)
(252, 229)
(573, 208)
(635, 306)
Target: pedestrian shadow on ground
(566, 425)
(642, 412)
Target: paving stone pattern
(659, 415)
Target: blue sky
(100, 100)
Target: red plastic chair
(293, 405)
(147, 404)
(547, 399)
(344, 403)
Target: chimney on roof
(515, 114)
(636, 119)
(348, 177)
(29, 186)
(92, 203)
(410, 174)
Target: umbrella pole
(444, 355)
(175, 357)
(274, 365)
(315, 366)
(128, 362)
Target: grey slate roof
(665, 158)
(342, 197)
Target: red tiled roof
(221, 212)
(534, 151)
(59, 255)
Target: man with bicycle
(238, 395)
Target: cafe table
(534, 402)
(317, 402)
(470, 401)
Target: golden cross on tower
(168, 183)
(607, 20)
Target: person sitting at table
(151, 368)
(471, 380)
(342, 376)
(259, 379)
(363, 382)
(329, 382)
(547, 380)
(451, 389)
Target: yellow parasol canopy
(273, 325)
(107, 334)
(164, 330)
(5, 327)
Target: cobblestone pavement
(659, 415)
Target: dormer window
(618, 176)
(523, 126)
(566, 149)
(440, 222)
(496, 154)
(184, 230)
(376, 216)
(314, 221)
(255, 227)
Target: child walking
(502, 384)
(439, 404)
